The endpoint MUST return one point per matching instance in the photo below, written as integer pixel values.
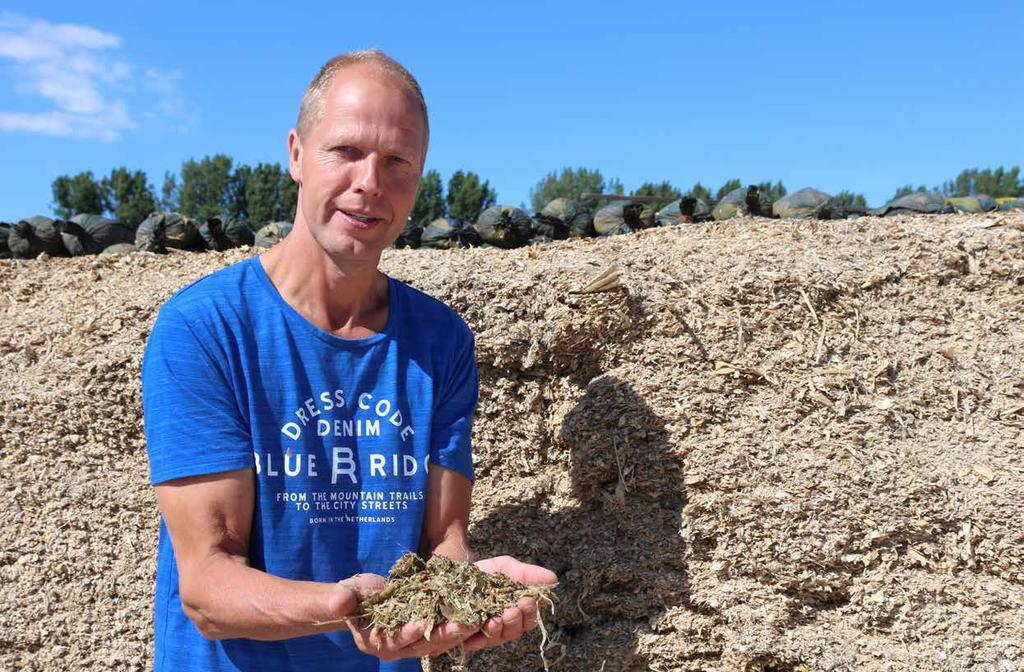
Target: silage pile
(779, 445)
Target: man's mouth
(361, 220)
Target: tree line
(213, 185)
(573, 182)
(998, 183)
(256, 195)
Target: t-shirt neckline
(299, 319)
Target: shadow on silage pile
(782, 446)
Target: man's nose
(368, 179)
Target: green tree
(79, 194)
(664, 189)
(996, 183)
(468, 197)
(267, 195)
(205, 186)
(849, 199)
(236, 203)
(128, 195)
(774, 191)
(570, 183)
(260, 194)
(170, 193)
(698, 191)
(731, 185)
(288, 195)
(909, 189)
(430, 203)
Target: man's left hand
(515, 620)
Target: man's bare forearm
(456, 547)
(226, 598)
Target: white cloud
(58, 35)
(165, 85)
(63, 124)
(77, 71)
(51, 123)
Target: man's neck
(348, 298)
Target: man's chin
(348, 248)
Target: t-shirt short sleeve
(452, 422)
(192, 421)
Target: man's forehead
(365, 98)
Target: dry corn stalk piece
(606, 281)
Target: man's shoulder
(213, 294)
(427, 312)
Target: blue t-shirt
(339, 431)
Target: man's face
(359, 166)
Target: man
(308, 418)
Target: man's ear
(295, 156)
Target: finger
(375, 642)
(455, 631)
(408, 634)
(343, 603)
(531, 575)
(511, 624)
(443, 638)
(528, 606)
(489, 635)
(364, 584)
(497, 630)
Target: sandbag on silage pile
(923, 203)
(697, 209)
(806, 203)
(743, 201)
(445, 234)
(220, 233)
(118, 249)
(272, 233)
(976, 203)
(565, 218)
(1010, 204)
(617, 218)
(504, 226)
(31, 237)
(439, 234)
(5, 230)
(732, 204)
(758, 203)
(684, 211)
(91, 234)
(986, 202)
(410, 236)
(836, 209)
(670, 215)
(163, 230)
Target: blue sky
(866, 97)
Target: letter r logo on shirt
(342, 464)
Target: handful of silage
(443, 590)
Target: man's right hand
(409, 641)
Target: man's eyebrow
(341, 140)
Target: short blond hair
(313, 101)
